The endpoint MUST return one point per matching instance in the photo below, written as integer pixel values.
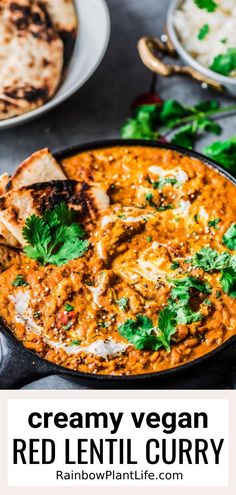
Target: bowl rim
(225, 80)
(59, 369)
(58, 99)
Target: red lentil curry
(156, 286)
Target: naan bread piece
(8, 256)
(31, 57)
(4, 179)
(17, 205)
(39, 167)
(7, 238)
(64, 18)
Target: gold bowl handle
(151, 51)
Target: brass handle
(151, 51)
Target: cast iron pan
(19, 366)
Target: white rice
(189, 19)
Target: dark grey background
(99, 108)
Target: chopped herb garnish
(19, 281)
(75, 342)
(68, 326)
(223, 152)
(123, 303)
(149, 238)
(165, 207)
(196, 217)
(224, 40)
(203, 32)
(214, 223)
(55, 238)
(228, 281)
(68, 307)
(175, 265)
(224, 63)
(209, 5)
(36, 314)
(103, 324)
(229, 238)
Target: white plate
(91, 44)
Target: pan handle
(19, 366)
(151, 51)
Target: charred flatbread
(17, 205)
(31, 57)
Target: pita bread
(31, 57)
(39, 167)
(4, 179)
(7, 238)
(64, 18)
(17, 205)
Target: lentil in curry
(156, 287)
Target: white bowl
(90, 47)
(228, 83)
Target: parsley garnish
(55, 238)
(19, 281)
(68, 307)
(214, 223)
(225, 63)
(122, 303)
(229, 238)
(209, 5)
(149, 238)
(203, 32)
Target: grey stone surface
(99, 108)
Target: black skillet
(19, 366)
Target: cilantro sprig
(210, 260)
(55, 237)
(143, 334)
(203, 32)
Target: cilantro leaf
(229, 238)
(54, 238)
(185, 137)
(228, 281)
(19, 281)
(68, 307)
(172, 110)
(142, 124)
(214, 223)
(209, 259)
(224, 152)
(167, 325)
(209, 125)
(203, 32)
(182, 286)
(185, 316)
(209, 5)
(163, 182)
(224, 63)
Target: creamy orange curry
(155, 287)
